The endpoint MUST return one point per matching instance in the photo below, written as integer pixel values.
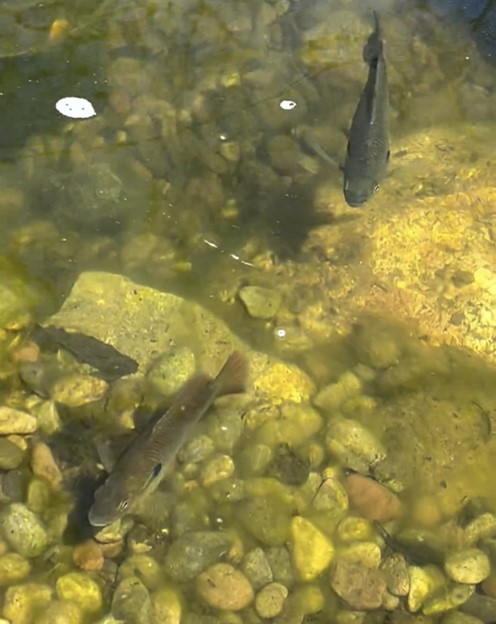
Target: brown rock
(371, 499)
(88, 556)
(362, 588)
(28, 352)
(224, 587)
(44, 465)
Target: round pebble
(224, 587)
(13, 568)
(11, 455)
(468, 566)
(23, 531)
(15, 421)
(88, 556)
(80, 588)
(44, 466)
(270, 600)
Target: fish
(145, 462)
(368, 150)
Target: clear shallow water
(193, 178)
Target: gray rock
(266, 517)
(353, 444)
(192, 552)
(131, 602)
(257, 568)
(23, 530)
(280, 563)
(482, 607)
(262, 303)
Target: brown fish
(144, 463)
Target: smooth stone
(266, 517)
(215, 469)
(88, 556)
(331, 397)
(171, 370)
(224, 587)
(482, 607)
(192, 552)
(353, 529)
(449, 598)
(260, 302)
(23, 530)
(424, 582)
(23, 602)
(312, 550)
(372, 500)
(280, 563)
(269, 601)
(457, 617)
(364, 553)
(146, 568)
(61, 612)
(482, 527)
(13, 568)
(294, 427)
(167, 606)
(467, 566)
(131, 602)
(361, 587)
(44, 465)
(331, 496)
(15, 421)
(11, 455)
(81, 589)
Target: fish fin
(233, 376)
(322, 153)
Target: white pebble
(75, 108)
(287, 104)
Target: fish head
(357, 191)
(111, 502)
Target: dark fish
(144, 463)
(368, 142)
(104, 357)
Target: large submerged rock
(145, 324)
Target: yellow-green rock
(167, 606)
(13, 568)
(424, 582)
(452, 596)
(284, 382)
(61, 612)
(312, 550)
(80, 588)
(22, 603)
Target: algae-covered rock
(224, 587)
(284, 382)
(424, 582)
(23, 530)
(395, 570)
(456, 617)
(333, 396)
(361, 587)
(255, 566)
(13, 568)
(266, 517)
(295, 425)
(448, 598)
(280, 563)
(312, 550)
(144, 567)
(167, 606)
(80, 588)
(131, 602)
(260, 302)
(15, 421)
(61, 612)
(269, 602)
(215, 469)
(467, 566)
(23, 603)
(353, 444)
(11, 455)
(44, 465)
(482, 527)
(192, 552)
(171, 370)
(76, 389)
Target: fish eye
(377, 187)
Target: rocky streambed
(362, 494)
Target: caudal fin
(233, 376)
(375, 44)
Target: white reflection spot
(75, 108)
(287, 104)
(280, 333)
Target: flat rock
(15, 421)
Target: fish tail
(233, 376)
(375, 44)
